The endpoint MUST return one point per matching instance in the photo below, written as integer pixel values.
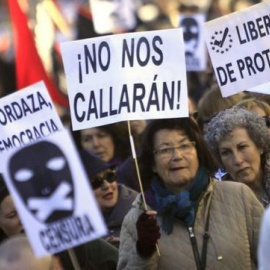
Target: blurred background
(51, 22)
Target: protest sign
(192, 26)
(262, 89)
(113, 16)
(238, 45)
(133, 76)
(26, 116)
(52, 194)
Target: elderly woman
(201, 223)
(241, 141)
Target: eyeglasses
(98, 181)
(168, 152)
(267, 120)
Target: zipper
(194, 245)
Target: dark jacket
(115, 218)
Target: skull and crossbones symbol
(42, 177)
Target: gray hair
(226, 121)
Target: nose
(105, 185)
(237, 157)
(177, 154)
(95, 142)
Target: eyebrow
(167, 143)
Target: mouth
(244, 170)
(100, 154)
(177, 169)
(108, 196)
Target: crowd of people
(199, 198)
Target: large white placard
(239, 48)
(49, 186)
(123, 77)
(113, 16)
(26, 116)
(195, 51)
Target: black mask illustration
(42, 177)
(191, 34)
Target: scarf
(181, 205)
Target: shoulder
(136, 209)
(126, 192)
(236, 194)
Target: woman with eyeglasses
(240, 140)
(192, 220)
(114, 199)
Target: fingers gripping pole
(134, 155)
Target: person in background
(114, 199)
(264, 242)
(196, 221)
(240, 141)
(212, 102)
(258, 106)
(93, 255)
(126, 172)
(137, 129)
(17, 254)
(10, 223)
(109, 143)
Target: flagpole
(134, 155)
(74, 259)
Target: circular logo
(221, 41)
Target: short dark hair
(191, 129)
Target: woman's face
(98, 142)
(9, 219)
(241, 157)
(138, 126)
(177, 167)
(107, 194)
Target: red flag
(29, 67)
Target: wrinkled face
(177, 169)
(107, 194)
(191, 34)
(42, 177)
(9, 219)
(241, 157)
(98, 142)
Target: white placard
(192, 26)
(262, 89)
(49, 186)
(123, 77)
(113, 16)
(239, 48)
(26, 116)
